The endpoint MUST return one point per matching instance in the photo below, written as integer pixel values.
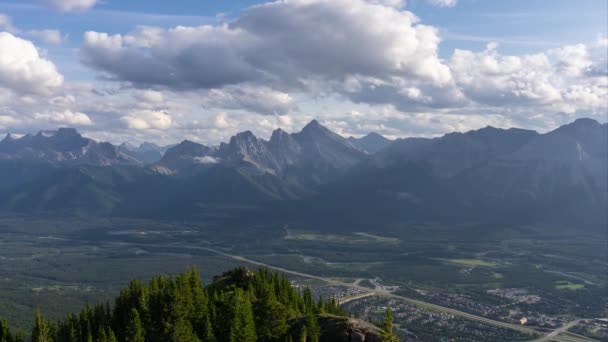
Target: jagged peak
(246, 136)
(278, 135)
(187, 142)
(11, 137)
(314, 127)
(60, 132)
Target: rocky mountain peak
(314, 127)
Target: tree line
(239, 306)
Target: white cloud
(490, 78)
(443, 3)
(48, 36)
(149, 96)
(601, 41)
(23, 70)
(572, 60)
(272, 45)
(221, 121)
(391, 3)
(66, 117)
(206, 160)
(6, 120)
(71, 5)
(147, 119)
(6, 23)
(261, 100)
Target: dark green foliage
(42, 330)
(387, 333)
(240, 306)
(134, 331)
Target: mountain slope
(63, 146)
(490, 174)
(240, 305)
(371, 143)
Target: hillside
(240, 305)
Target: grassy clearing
(355, 238)
(378, 238)
(470, 262)
(566, 285)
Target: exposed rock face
(64, 145)
(311, 156)
(186, 154)
(342, 329)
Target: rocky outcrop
(340, 329)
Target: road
(559, 335)
(562, 334)
(334, 282)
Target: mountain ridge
(477, 175)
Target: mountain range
(486, 174)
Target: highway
(331, 281)
(559, 335)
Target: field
(498, 273)
(566, 285)
(470, 262)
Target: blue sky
(210, 111)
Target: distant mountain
(186, 154)
(371, 143)
(455, 152)
(487, 174)
(65, 146)
(315, 175)
(307, 158)
(147, 153)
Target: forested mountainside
(239, 306)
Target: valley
(46, 261)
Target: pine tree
(303, 334)
(134, 330)
(208, 335)
(41, 332)
(271, 323)
(19, 336)
(5, 333)
(387, 333)
(243, 325)
(312, 328)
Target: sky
(164, 71)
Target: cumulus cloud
(149, 96)
(23, 70)
(206, 160)
(272, 44)
(71, 5)
(6, 120)
(261, 100)
(572, 60)
(66, 117)
(490, 78)
(48, 36)
(147, 119)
